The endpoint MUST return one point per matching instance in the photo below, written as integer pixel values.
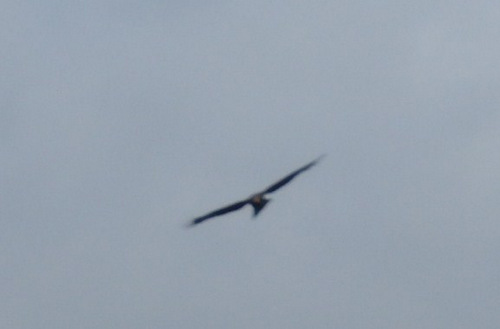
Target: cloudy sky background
(122, 120)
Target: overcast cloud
(122, 120)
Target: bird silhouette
(258, 200)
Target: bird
(257, 200)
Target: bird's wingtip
(318, 159)
(189, 224)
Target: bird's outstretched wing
(218, 212)
(285, 180)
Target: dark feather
(285, 180)
(218, 212)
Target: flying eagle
(258, 200)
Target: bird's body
(258, 200)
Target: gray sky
(122, 120)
